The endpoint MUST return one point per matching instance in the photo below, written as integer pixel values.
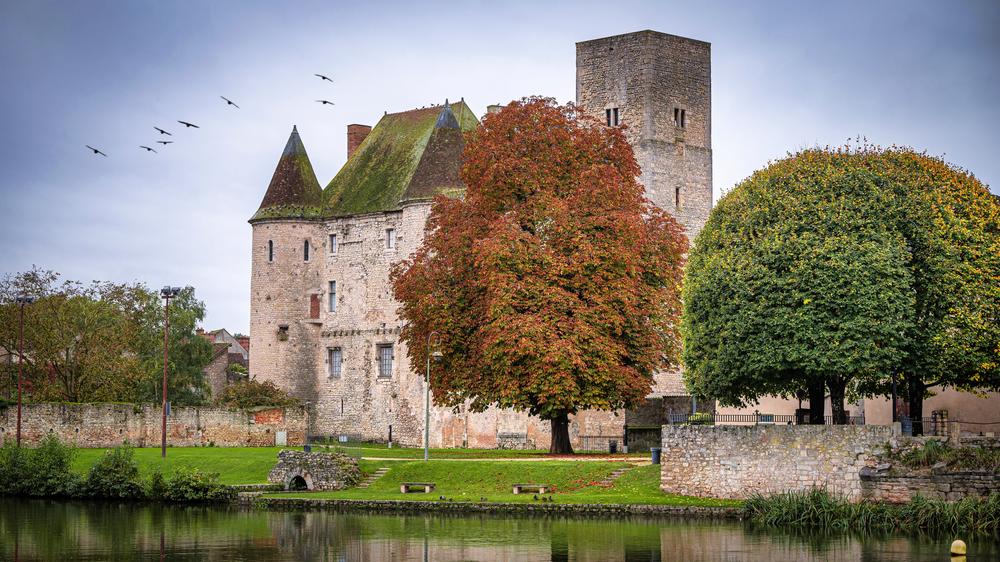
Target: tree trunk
(560, 435)
(915, 390)
(837, 387)
(817, 402)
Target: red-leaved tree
(553, 286)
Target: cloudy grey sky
(786, 75)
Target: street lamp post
(166, 293)
(21, 301)
(427, 397)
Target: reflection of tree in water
(55, 530)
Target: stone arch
(298, 480)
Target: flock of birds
(189, 125)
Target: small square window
(385, 361)
(335, 360)
(611, 117)
(333, 244)
(680, 117)
(332, 297)
(390, 239)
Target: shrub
(961, 458)
(253, 394)
(116, 475)
(156, 489)
(13, 468)
(49, 472)
(193, 485)
(42, 471)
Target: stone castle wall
(647, 75)
(109, 425)
(953, 486)
(738, 461)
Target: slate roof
(294, 190)
(410, 155)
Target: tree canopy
(100, 342)
(858, 266)
(553, 286)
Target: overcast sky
(786, 75)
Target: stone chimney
(356, 134)
(493, 108)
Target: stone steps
(371, 478)
(610, 479)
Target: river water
(73, 531)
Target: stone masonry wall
(109, 425)
(738, 461)
(949, 487)
(647, 75)
(359, 402)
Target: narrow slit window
(607, 116)
(385, 361)
(683, 118)
(333, 244)
(305, 250)
(614, 116)
(270, 250)
(332, 297)
(677, 117)
(677, 198)
(335, 358)
(390, 239)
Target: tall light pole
(21, 301)
(166, 293)
(427, 397)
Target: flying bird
(165, 143)
(147, 148)
(229, 102)
(96, 151)
(189, 125)
(327, 78)
(162, 132)
(324, 102)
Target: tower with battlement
(660, 87)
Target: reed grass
(819, 509)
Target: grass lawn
(574, 482)
(235, 465)
(377, 450)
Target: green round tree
(847, 268)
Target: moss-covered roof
(294, 190)
(410, 155)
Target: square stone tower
(660, 87)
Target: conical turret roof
(294, 191)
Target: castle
(323, 320)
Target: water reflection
(48, 530)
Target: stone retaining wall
(739, 461)
(108, 425)
(949, 487)
(301, 504)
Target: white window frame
(333, 244)
(390, 239)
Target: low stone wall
(738, 461)
(951, 487)
(318, 471)
(575, 509)
(108, 425)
